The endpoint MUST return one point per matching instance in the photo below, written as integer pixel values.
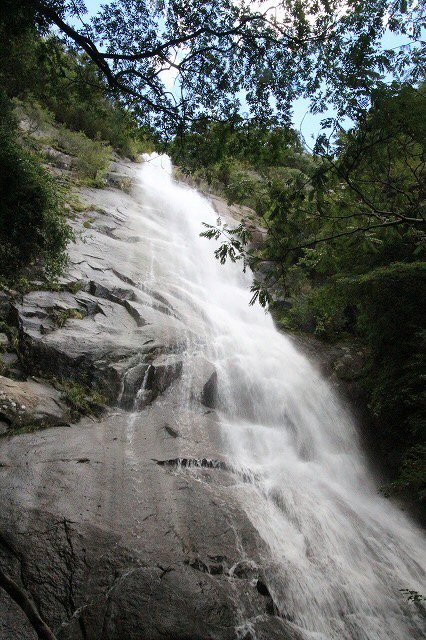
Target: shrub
(33, 229)
(81, 399)
(412, 475)
(36, 118)
(322, 311)
(386, 308)
(241, 185)
(91, 156)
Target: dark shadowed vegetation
(33, 229)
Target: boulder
(30, 403)
(209, 396)
(118, 181)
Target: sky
(308, 124)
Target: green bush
(91, 156)
(412, 475)
(385, 308)
(37, 119)
(321, 311)
(33, 229)
(81, 399)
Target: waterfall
(336, 552)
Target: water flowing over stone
(336, 551)
(232, 499)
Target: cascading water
(337, 552)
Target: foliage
(60, 316)
(224, 54)
(27, 428)
(81, 399)
(211, 142)
(412, 476)
(56, 83)
(92, 157)
(346, 246)
(35, 118)
(239, 160)
(33, 229)
(225, 59)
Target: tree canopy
(233, 56)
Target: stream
(337, 552)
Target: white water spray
(338, 552)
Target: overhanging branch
(26, 604)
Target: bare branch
(26, 604)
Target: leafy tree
(226, 53)
(43, 71)
(210, 142)
(367, 193)
(238, 159)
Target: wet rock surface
(343, 364)
(104, 326)
(209, 396)
(101, 524)
(119, 546)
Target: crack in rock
(203, 463)
(172, 432)
(246, 475)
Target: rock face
(109, 539)
(104, 327)
(30, 403)
(343, 364)
(209, 395)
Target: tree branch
(26, 604)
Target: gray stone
(30, 403)
(209, 397)
(4, 341)
(101, 344)
(8, 358)
(165, 370)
